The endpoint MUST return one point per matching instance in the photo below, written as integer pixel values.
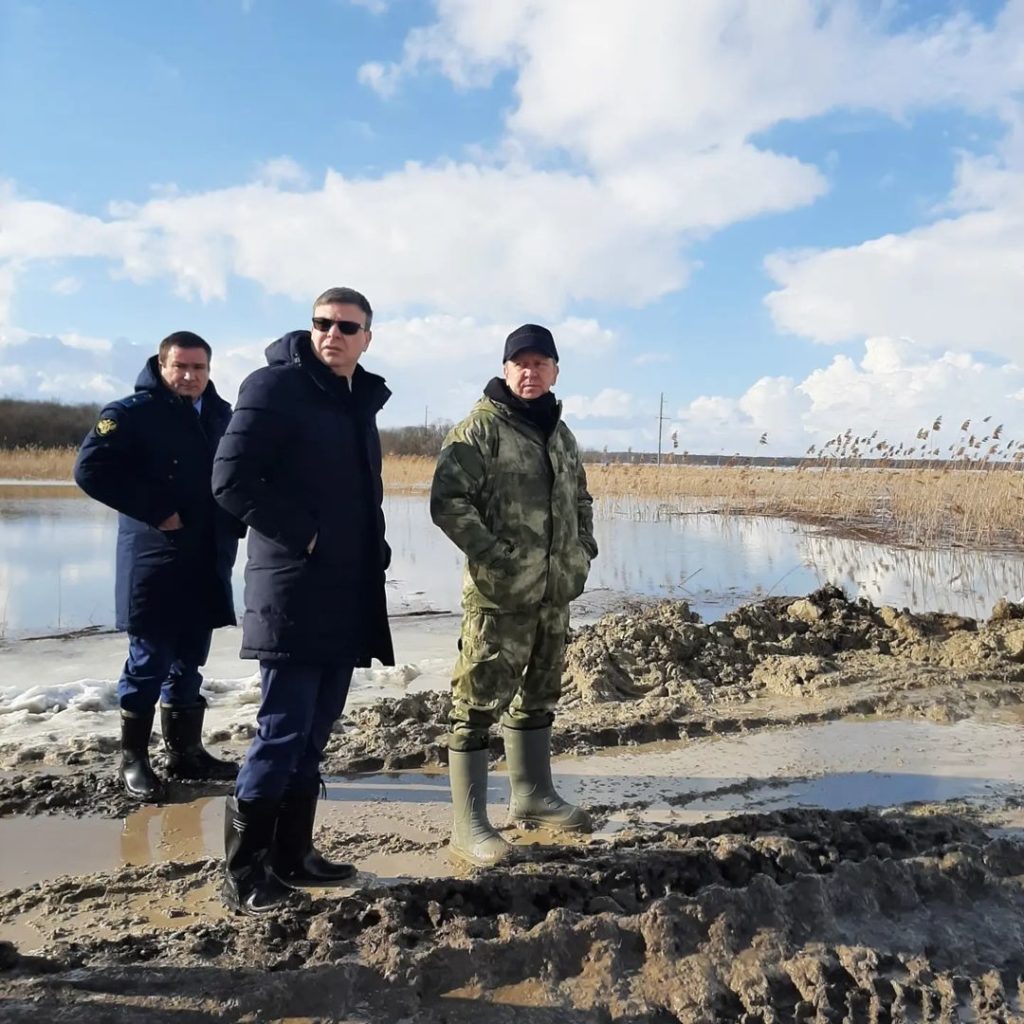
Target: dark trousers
(300, 705)
(165, 668)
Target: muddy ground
(912, 914)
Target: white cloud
(67, 286)
(651, 358)
(616, 88)
(73, 368)
(956, 283)
(508, 241)
(609, 403)
(463, 342)
(896, 388)
(282, 170)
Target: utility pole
(426, 410)
(661, 420)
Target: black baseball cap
(532, 337)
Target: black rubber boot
(187, 758)
(136, 773)
(250, 886)
(296, 861)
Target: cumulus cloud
(73, 368)
(505, 240)
(893, 390)
(615, 88)
(282, 170)
(453, 236)
(956, 283)
(610, 403)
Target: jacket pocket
(575, 568)
(480, 641)
(494, 576)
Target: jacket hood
(288, 348)
(149, 378)
(296, 348)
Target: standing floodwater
(57, 563)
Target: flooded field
(56, 563)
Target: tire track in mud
(797, 915)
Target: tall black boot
(250, 886)
(136, 773)
(187, 758)
(296, 861)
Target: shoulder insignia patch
(106, 426)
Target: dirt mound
(779, 644)
(800, 916)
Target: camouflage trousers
(509, 668)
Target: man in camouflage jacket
(511, 492)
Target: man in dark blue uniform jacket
(300, 465)
(150, 457)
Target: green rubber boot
(534, 800)
(473, 840)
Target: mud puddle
(394, 825)
(831, 765)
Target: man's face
(529, 375)
(186, 371)
(338, 351)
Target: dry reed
(917, 507)
(34, 463)
(973, 497)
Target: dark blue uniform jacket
(302, 457)
(150, 456)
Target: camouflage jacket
(516, 503)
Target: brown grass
(407, 472)
(962, 504)
(37, 463)
(956, 506)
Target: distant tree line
(26, 424)
(44, 424)
(424, 440)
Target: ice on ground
(62, 689)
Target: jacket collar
(296, 348)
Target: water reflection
(57, 561)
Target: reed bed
(407, 473)
(956, 506)
(33, 463)
(961, 503)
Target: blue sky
(788, 218)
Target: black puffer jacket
(150, 456)
(302, 456)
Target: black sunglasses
(321, 323)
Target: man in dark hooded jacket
(300, 464)
(149, 457)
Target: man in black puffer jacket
(300, 464)
(149, 457)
